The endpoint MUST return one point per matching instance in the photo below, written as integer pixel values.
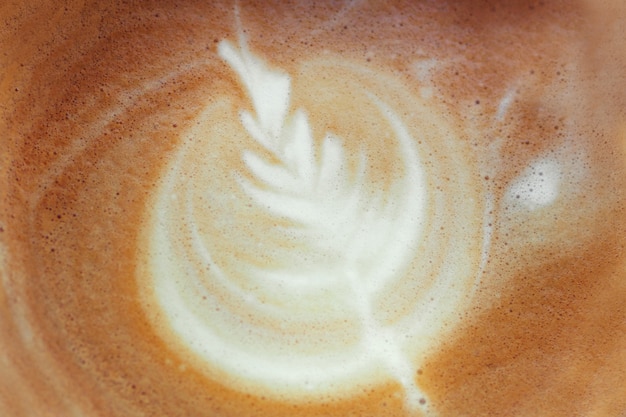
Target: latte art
(301, 268)
(398, 209)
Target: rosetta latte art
(292, 270)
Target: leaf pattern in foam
(370, 235)
(323, 197)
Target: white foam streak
(299, 152)
(401, 228)
(278, 175)
(268, 90)
(538, 185)
(332, 165)
(505, 104)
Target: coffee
(407, 209)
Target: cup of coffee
(313, 209)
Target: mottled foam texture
(381, 209)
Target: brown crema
(96, 99)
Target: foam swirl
(336, 275)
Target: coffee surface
(377, 209)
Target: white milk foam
(287, 272)
(538, 185)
